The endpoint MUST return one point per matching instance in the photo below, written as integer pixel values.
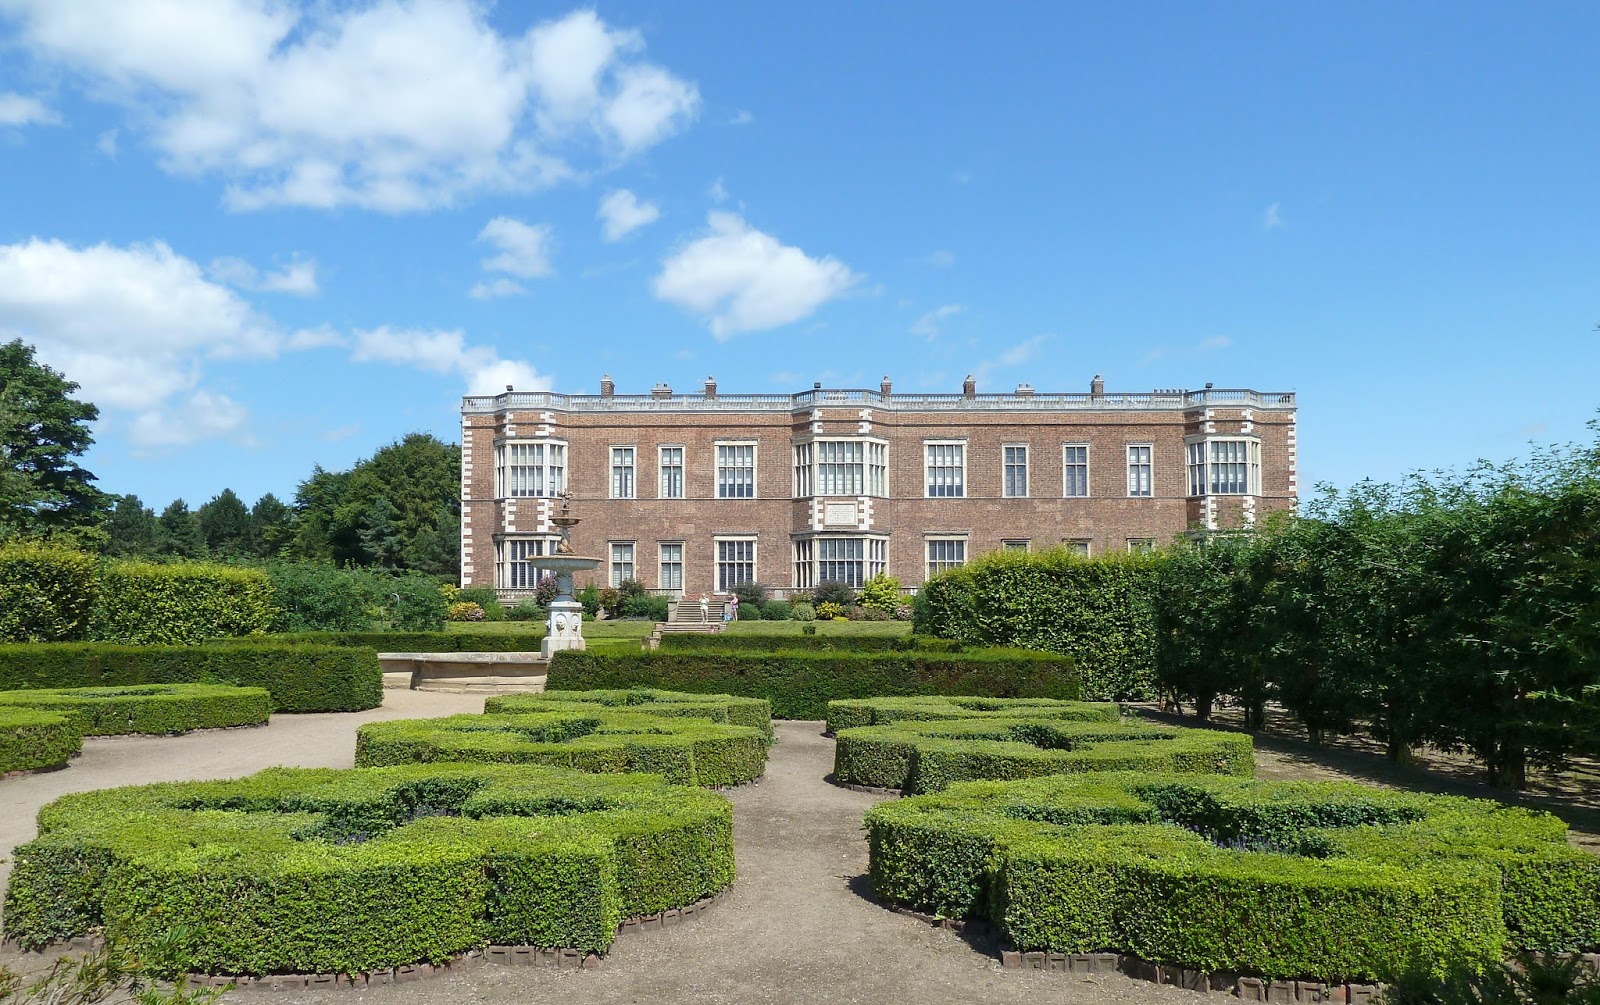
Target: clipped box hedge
(416, 642)
(754, 712)
(1321, 880)
(31, 740)
(926, 756)
(148, 708)
(726, 643)
(324, 871)
(800, 684)
(682, 750)
(849, 713)
(180, 603)
(299, 678)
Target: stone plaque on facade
(836, 513)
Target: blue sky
(266, 235)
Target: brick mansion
(697, 492)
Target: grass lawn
(892, 628)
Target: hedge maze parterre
(148, 708)
(686, 739)
(340, 872)
(925, 744)
(1327, 880)
(31, 740)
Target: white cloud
(298, 277)
(1016, 355)
(501, 287)
(447, 352)
(717, 192)
(21, 110)
(392, 105)
(940, 259)
(929, 324)
(621, 213)
(740, 279)
(203, 415)
(524, 247)
(1215, 342)
(741, 118)
(1272, 217)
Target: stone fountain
(564, 628)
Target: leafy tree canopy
(43, 429)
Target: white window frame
(1078, 545)
(632, 467)
(805, 563)
(1066, 489)
(624, 557)
(551, 477)
(873, 467)
(958, 481)
(1149, 465)
(803, 459)
(722, 585)
(717, 448)
(1021, 544)
(1203, 465)
(520, 572)
(662, 468)
(662, 565)
(943, 564)
(1005, 470)
(1141, 545)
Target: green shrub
(415, 604)
(754, 712)
(324, 871)
(306, 678)
(803, 611)
(589, 597)
(1099, 611)
(682, 750)
(416, 642)
(645, 606)
(752, 595)
(46, 592)
(186, 602)
(748, 612)
(808, 629)
(831, 591)
(881, 592)
(725, 642)
(463, 610)
(800, 684)
(1321, 880)
(148, 708)
(927, 756)
(315, 596)
(851, 713)
(827, 610)
(527, 610)
(31, 739)
(486, 598)
(776, 610)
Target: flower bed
(148, 708)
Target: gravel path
(797, 928)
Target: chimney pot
(661, 391)
(607, 387)
(1097, 386)
(816, 385)
(886, 388)
(711, 387)
(969, 387)
(508, 387)
(1024, 390)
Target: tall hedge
(1099, 611)
(835, 643)
(299, 678)
(419, 642)
(800, 684)
(46, 592)
(183, 603)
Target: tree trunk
(1255, 717)
(1507, 766)
(1401, 753)
(1202, 707)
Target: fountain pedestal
(564, 623)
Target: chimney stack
(661, 391)
(607, 386)
(969, 387)
(1097, 387)
(508, 388)
(1024, 390)
(711, 387)
(886, 388)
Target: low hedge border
(319, 871)
(299, 678)
(800, 684)
(927, 756)
(753, 712)
(851, 713)
(726, 643)
(684, 751)
(33, 740)
(1326, 881)
(148, 708)
(411, 642)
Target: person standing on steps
(731, 609)
(705, 607)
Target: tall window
(672, 566)
(516, 561)
(736, 471)
(672, 472)
(877, 468)
(1229, 467)
(841, 467)
(1016, 471)
(842, 560)
(804, 571)
(736, 563)
(1139, 468)
(946, 553)
(530, 469)
(622, 472)
(621, 561)
(947, 469)
(1075, 470)
(802, 470)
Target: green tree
(380, 535)
(181, 535)
(225, 522)
(42, 430)
(132, 529)
(419, 477)
(271, 526)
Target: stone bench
(488, 673)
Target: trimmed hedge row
(928, 756)
(754, 712)
(415, 642)
(324, 871)
(299, 678)
(180, 604)
(682, 750)
(31, 740)
(148, 708)
(829, 643)
(800, 684)
(46, 592)
(1323, 880)
(850, 713)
